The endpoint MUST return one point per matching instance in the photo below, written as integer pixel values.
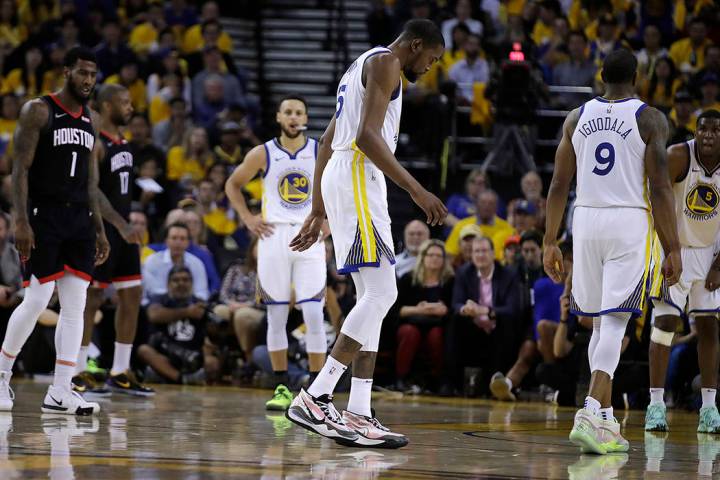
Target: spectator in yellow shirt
(11, 30)
(544, 27)
(709, 89)
(689, 53)
(26, 81)
(54, 77)
(682, 119)
(489, 223)
(160, 102)
(194, 40)
(192, 159)
(660, 88)
(143, 38)
(128, 77)
(8, 121)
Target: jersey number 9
(607, 160)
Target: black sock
(281, 378)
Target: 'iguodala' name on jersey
(73, 136)
(604, 124)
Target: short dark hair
(176, 225)
(425, 30)
(107, 92)
(293, 96)
(78, 53)
(698, 20)
(712, 114)
(532, 236)
(578, 33)
(207, 23)
(179, 269)
(619, 67)
(175, 100)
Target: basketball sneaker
(586, 432)
(612, 440)
(500, 388)
(85, 383)
(371, 433)
(6, 393)
(656, 418)
(709, 420)
(281, 399)
(319, 415)
(128, 384)
(67, 402)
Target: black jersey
(116, 173)
(59, 172)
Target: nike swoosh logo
(123, 384)
(58, 115)
(314, 410)
(59, 403)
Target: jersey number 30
(605, 157)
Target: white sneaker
(500, 389)
(65, 401)
(6, 393)
(371, 433)
(611, 438)
(586, 432)
(319, 415)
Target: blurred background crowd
(474, 304)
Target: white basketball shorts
(355, 197)
(612, 260)
(280, 269)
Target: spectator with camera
(177, 351)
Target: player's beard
(119, 119)
(76, 93)
(410, 75)
(289, 134)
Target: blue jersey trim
(681, 311)
(605, 312)
(603, 100)
(267, 160)
(274, 303)
(316, 148)
(640, 109)
(309, 300)
(357, 266)
(396, 92)
(292, 156)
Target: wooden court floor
(224, 433)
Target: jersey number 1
(74, 162)
(124, 182)
(608, 159)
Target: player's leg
(160, 363)
(707, 336)
(665, 320)
(60, 398)
(84, 381)
(20, 326)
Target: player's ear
(416, 45)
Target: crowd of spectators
(475, 313)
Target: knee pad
(277, 321)
(315, 341)
(72, 294)
(37, 296)
(661, 337)
(607, 351)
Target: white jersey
(696, 203)
(610, 155)
(287, 182)
(350, 98)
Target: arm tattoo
(33, 116)
(93, 190)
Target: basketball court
(225, 433)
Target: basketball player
(287, 165)
(122, 268)
(361, 138)
(694, 168)
(613, 143)
(58, 227)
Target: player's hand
(102, 249)
(309, 233)
(712, 282)
(431, 205)
(553, 263)
(131, 234)
(672, 267)
(24, 239)
(258, 226)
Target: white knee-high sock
(277, 316)
(72, 293)
(315, 339)
(23, 320)
(594, 338)
(121, 358)
(607, 352)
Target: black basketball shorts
(64, 242)
(122, 268)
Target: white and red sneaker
(319, 415)
(371, 433)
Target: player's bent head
(426, 44)
(619, 67)
(80, 72)
(707, 133)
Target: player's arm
(33, 117)
(102, 247)
(161, 315)
(678, 162)
(314, 223)
(565, 165)
(654, 132)
(128, 233)
(382, 78)
(254, 162)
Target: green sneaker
(656, 418)
(612, 440)
(709, 420)
(281, 400)
(586, 433)
(94, 368)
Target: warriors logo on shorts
(294, 188)
(701, 202)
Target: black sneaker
(128, 384)
(85, 383)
